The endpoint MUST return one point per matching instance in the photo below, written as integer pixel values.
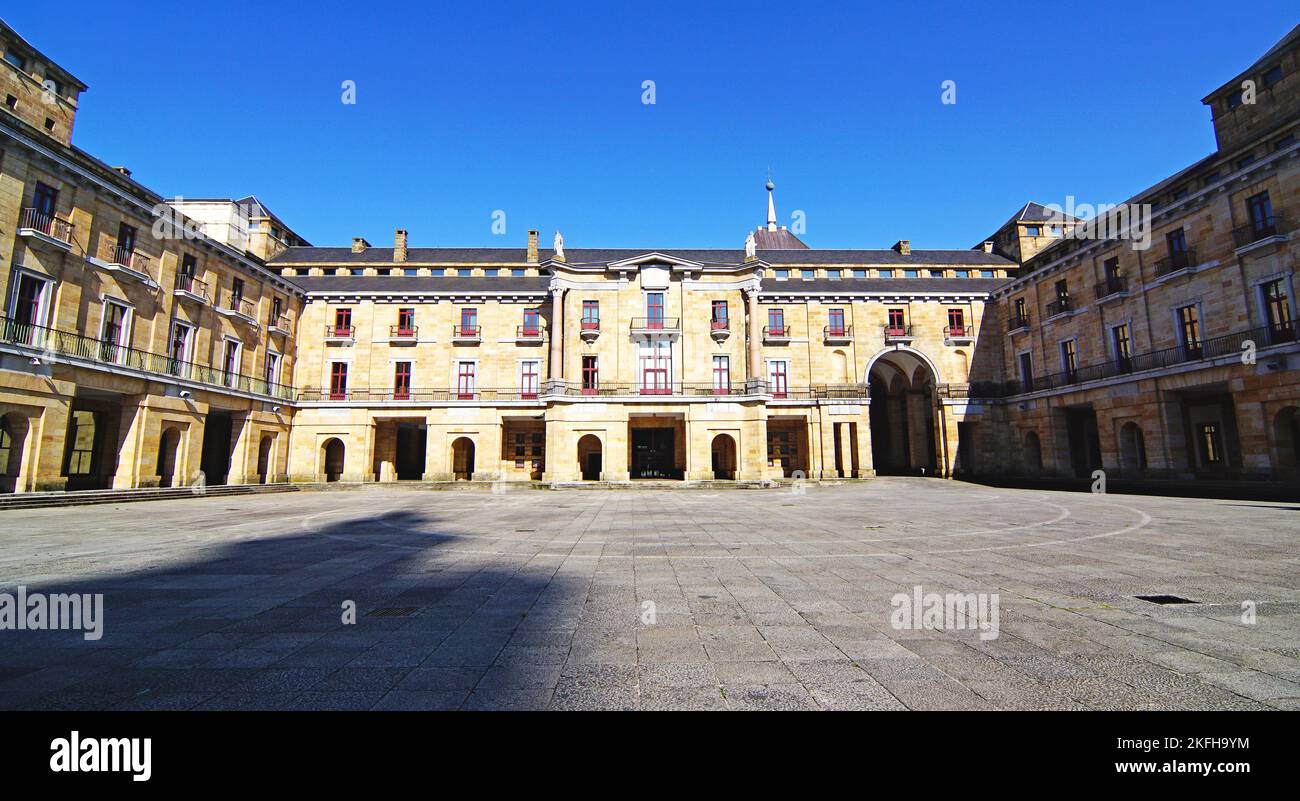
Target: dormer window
(15, 59)
(782, 275)
(1272, 76)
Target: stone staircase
(36, 500)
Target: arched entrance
(590, 458)
(462, 459)
(724, 458)
(332, 459)
(169, 445)
(13, 438)
(904, 414)
(264, 458)
(1132, 451)
(1033, 454)
(1286, 440)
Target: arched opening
(904, 414)
(332, 459)
(839, 367)
(1033, 454)
(724, 458)
(1132, 450)
(13, 439)
(462, 459)
(169, 446)
(590, 457)
(1286, 439)
(264, 458)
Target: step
(33, 500)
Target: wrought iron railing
(192, 286)
(47, 224)
(837, 332)
(528, 332)
(403, 331)
(1259, 229)
(340, 332)
(466, 331)
(576, 388)
(897, 331)
(1175, 261)
(656, 324)
(1111, 286)
(53, 343)
(776, 332)
(1059, 306)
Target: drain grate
(1164, 600)
(393, 611)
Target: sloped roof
(780, 239)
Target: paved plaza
(659, 599)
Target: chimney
(399, 245)
(359, 244)
(904, 247)
(987, 246)
(532, 247)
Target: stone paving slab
(660, 600)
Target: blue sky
(536, 109)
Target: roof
(67, 77)
(908, 286)
(410, 283)
(597, 256)
(1273, 52)
(780, 239)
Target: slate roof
(780, 239)
(908, 286)
(411, 283)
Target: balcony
(466, 334)
(1260, 232)
(128, 263)
(958, 333)
(1176, 262)
(656, 326)
(898, 333)
(340, 334)
(190, 288)
(1059, 307)
(403, 334)
(280, 325)
(1018, 322)
(237, 308)
(776, 334)
(42, 343)
(590, 330)
(719, 329)
(46, 228)
(529, 334)
(837, 334)
(1113, 287)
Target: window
(886, 273)
(1020, 317)
(1111, 268)
(230, 362)
(342, 322)
(434, 271)
(591, 315)
(29, 307)
(859, 273)
(469, 322)
(125, 244)
(590, 375)
(777, 378)
(718, 316)
(834, 275)
(1177, 241)
(339, 381)
(402, 381)
(1189, 326)
(45, 200)
(529, 373)
(465, 380)
(272, 367)
(405, 322)
(911, 274)
(1211, 449)
(518, 272)
(410, 271)
(114, 333)
(1245, 161)
(896, 325)
(464, 272)
(532, 323)
(1272, 75)
(656, 368)
(6, 443)
(835, 322)
(782, 275)
(1033, 230)
(237, 292)
(1062, 291)
(178, 349)
(11, 101)
(956, 323)
(1260, 211)
(1026, 372)
(776, 322)
(1284, 142)
(1069, 359)
(1277, 311)
(1123, 348)
(15, 59)
(277, 310)
(721, 375)
(490, 272)
(83, 433)
(654, 309)
(356, 271)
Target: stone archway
(1132, 451)
(590, 457)
(904, 413)
(724, 457)
(264, 450)
(169, 446)
(1286, 440)
(462, 459)
(13, 442)
(1033, 454)
(332, 458)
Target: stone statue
(751, 247)
(559, 246)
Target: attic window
(49, 124)
(1033, 230)
(357, 271)
(464, 272)
(1272, 76)
(15, 59)
(782, 275)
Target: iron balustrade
(1256, 230)
(777, 331)
(241, 306)
(1059, 306)
(719, 325)
(466, 331)
(958, 332)
(837, 332)
(1111, 286)
(1175, 261)
(340, 331)
(192, 286)
(528, 332)
(47, 224)
(676, 389)
(403, 331)
(53, 343)
(280, 323)
(897, 331)
(656, 324)
(1018, 322)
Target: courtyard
(659, 599)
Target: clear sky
(536, 109)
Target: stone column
(754, 375)
(555, 372)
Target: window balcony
(1113, 287)
(46, 228)
(340, 334)
(403, 334)
(1176, 262)
(237, 308)
(1260, 232)
(655, 326)
(280, 325)
(590, 329)
(719, 329)
(1018, 322)
(776, 334)
(190, 288)
(529, 334)
(837, 334)
(466, 334)
(1059, 307)
(899, 333)
(128, 263)
(958, 333)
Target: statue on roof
(751, 247)
(559, 246)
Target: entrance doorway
(1085, 444)
(332, 459)
(264, 448)
(654, 454)
(217, 431)
(590, 458)
(724, 458)
(904, 415)
(409, 460)
(168, 449)
(462, 459)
